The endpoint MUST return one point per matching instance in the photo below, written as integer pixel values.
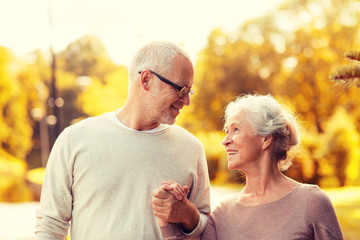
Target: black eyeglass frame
(182, 91)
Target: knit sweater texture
(100, 178)
(304, 213)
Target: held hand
(166, 206)
(179, 192)
(169, 209)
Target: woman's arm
(323, 216)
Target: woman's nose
(226, 140)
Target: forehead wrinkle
(241, 121)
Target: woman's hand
(179, 192)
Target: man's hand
(169, 206)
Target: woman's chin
(231, 166)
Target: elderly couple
(133, 174)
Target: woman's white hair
(156, 56)
(268, 118)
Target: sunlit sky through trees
(122, 26)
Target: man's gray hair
(268, 118)
(156, 56)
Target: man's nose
(186, 100)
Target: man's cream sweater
(100, 177)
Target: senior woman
(259, 134)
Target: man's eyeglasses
(182, 91)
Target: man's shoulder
(88, 123)
(182, 132)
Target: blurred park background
(288, 51)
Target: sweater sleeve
(171, 232)
(54, 213)
(200, 196)
(323, 217)
(210, 230)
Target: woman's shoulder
(227, 205)
(320, 213)
(317, 200)
(314, 192)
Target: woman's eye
(236, 129)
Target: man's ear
(267, 141)
(145, 79)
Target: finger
(175, 190)
(167, 187)
(161, 216)
(186, 189)
(161, 212)
(160, 202)
(178, 188)
(161, 193)
(168, 182)
(174, 185)
(177, 195)
(157, 206)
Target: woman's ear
(267, 141)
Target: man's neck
(134, 119)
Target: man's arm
(56, 200)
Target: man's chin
(169, 120)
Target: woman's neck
(265, 185)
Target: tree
(287, 53)
(339, 152)
(17, 96)
(222, 72)
(81, 64)
(86, 57)
(114, 87)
